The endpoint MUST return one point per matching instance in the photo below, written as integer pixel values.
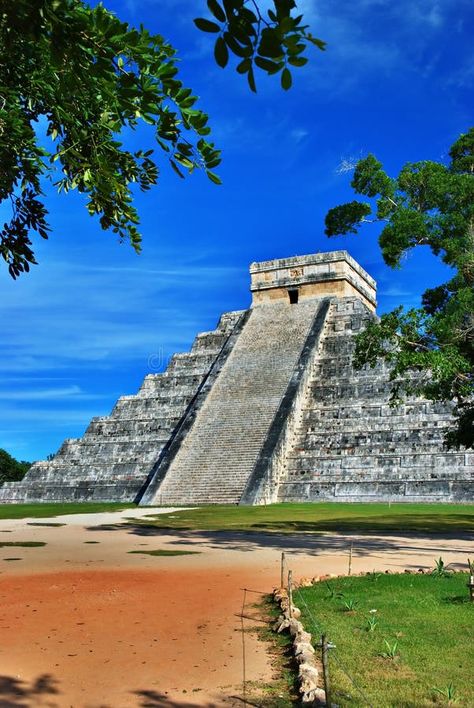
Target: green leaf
(244, 66)
(267, 65)
(230, 6)
(297, 61)
(235, 47)
(296, 48)
(185, 162)
(251, 80)
(216, 10)
(270, 44)
(213, 177)
(286, 25)
(221, 53)
(206, 25)
(317, 42)
(286, 79)
(176, 168)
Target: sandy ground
(86, 624)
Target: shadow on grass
(15, 693)
(457, 600)
(396, 525)
(447, 526)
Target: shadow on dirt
(297, 542)
(154, 699)
(15, 693)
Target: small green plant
(440, 570)
(391, 651)
(332, 591)
(374, 576)
(371, 624)
(448, 692)
(350, 605)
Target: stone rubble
(311, 693)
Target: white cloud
(48, 394)
(299, 134)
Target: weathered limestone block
(308, 677)
(303, 647)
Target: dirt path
(90, 625)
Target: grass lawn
(405, 639)
(282, 518)
(22, 511)
(301, 518)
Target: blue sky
(93, 318)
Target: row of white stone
(303, 651)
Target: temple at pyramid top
(317, 275)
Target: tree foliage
(85, 76)
(273, 41)
(12, 470)
(430, 349)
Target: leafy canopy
(430, 204)
(10, 469)
(86, 76)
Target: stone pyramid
(267, 407)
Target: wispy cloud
(299, 134)
(49, 394)
(371, 38)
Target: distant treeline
(12, 470)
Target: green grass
(166, 552)
(311, 518)
(22, 511)
(22, 544)
(419, 641)
(282, 518)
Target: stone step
(349, 449)
(378, 473)
(130, 427)
(221, 449)
(51, 492)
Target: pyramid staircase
(216, 459)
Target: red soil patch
(100, 639)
